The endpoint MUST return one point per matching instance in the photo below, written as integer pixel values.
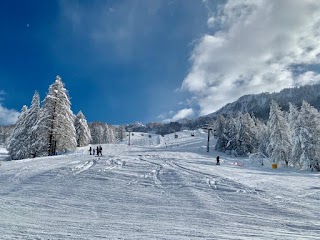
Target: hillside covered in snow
(157, 188)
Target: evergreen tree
(294, 119)
(120, 133)
(31, 122)
(109, 134)
(97, 132)
(247, 134)
(102, 133)
(231, 134)
(238, 135)
(82, 130)
(17, 146)
(279, 148)
(219, 127)
(5, 134)
(56, 124)
(263, 138)
(309, 136)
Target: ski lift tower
(129, 131)
(208, 128)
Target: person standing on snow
(218, 160)
(100, 150)
(90, 150)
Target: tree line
(48, 129)
(53, 128)
(290, 138)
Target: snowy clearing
(157, 188)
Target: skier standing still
(100, 150)
(218, 160)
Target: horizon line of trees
(289, 138)
(53, 128)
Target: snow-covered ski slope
(157, 188)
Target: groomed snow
(157, 188)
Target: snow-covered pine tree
(263, 137)
(5, 134)
(102, 133)
(219, 127)
(97, 132)
(56, 124)
(109, 134)
(31, 122)
(82, 130)
(309, 136)
(120, 133)
(231, 134)
(247, 134)
(17, 146)
(294, 119)
(279, 148)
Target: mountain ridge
(259, 104)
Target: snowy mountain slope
(259, 104)
(169, 190)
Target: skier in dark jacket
(100, 150)
(90, 150)
(97, 151)
(218, 160)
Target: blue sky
(160, 60)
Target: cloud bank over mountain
(252, 47)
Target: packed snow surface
(156, 188)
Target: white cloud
(257, 48)
(161, 116)
(211, 22)
(309, 77)
(8, 116)
(183, 113)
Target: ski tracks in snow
(215, 182)
(155, 173)
(189, 177)
(83, 166)
(106, 164)
(225, 200)
(113, 162)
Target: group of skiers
(94, 151)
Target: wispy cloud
(121, 26)
(7, 116)
(183, 113)
(255, 47)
